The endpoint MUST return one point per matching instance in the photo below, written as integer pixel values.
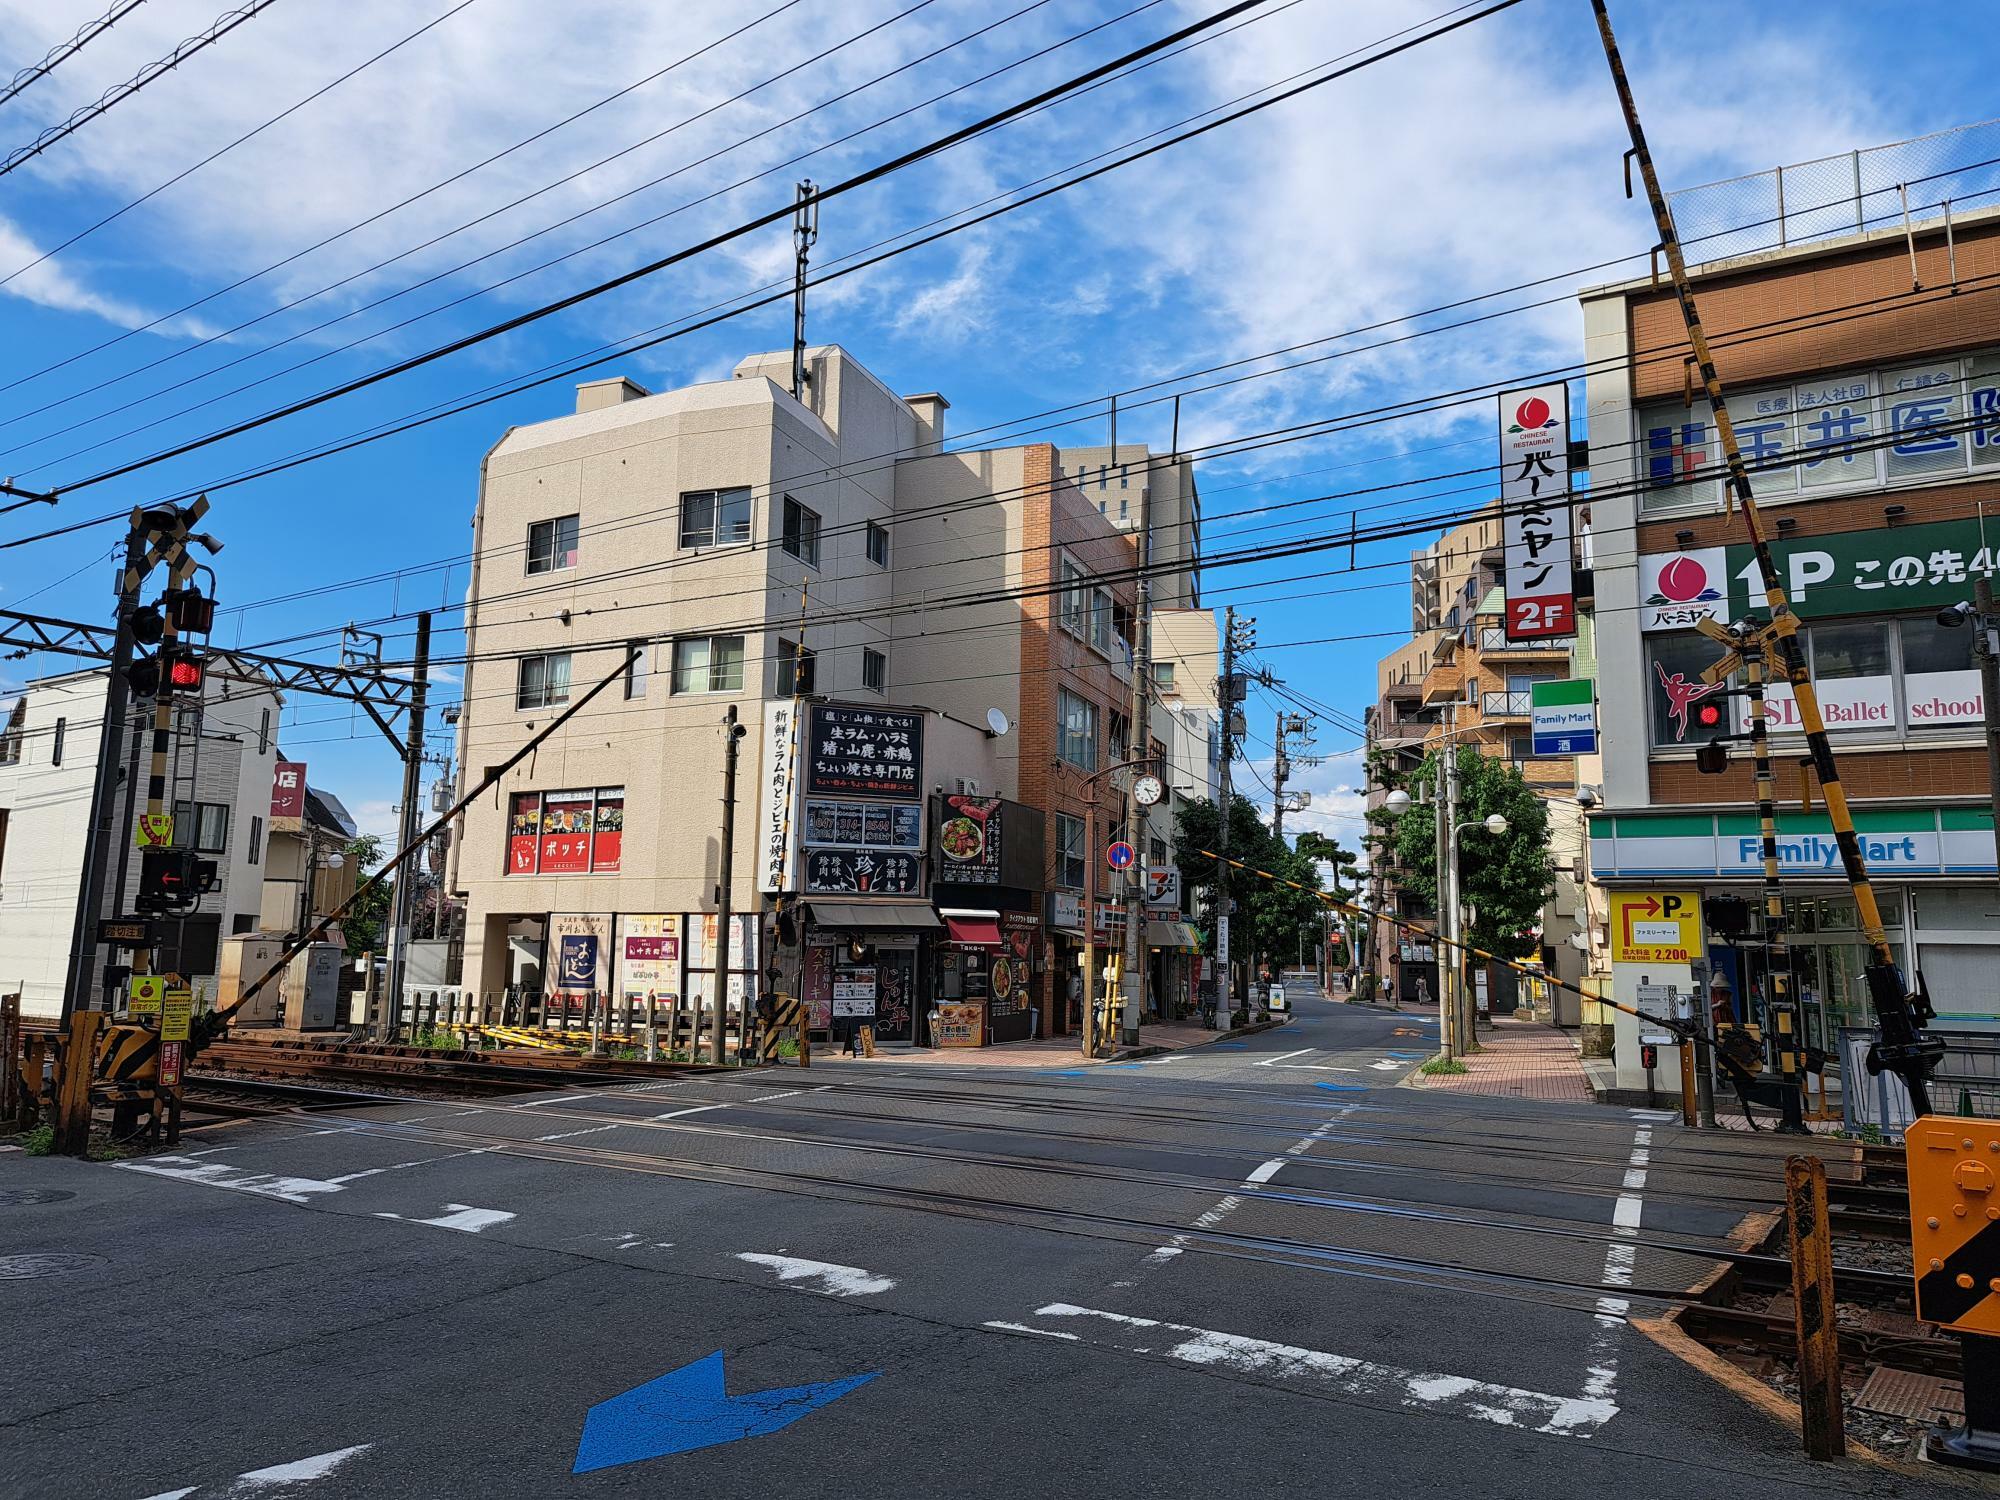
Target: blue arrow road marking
(1063, 1072)
(689, 1408)
(1408, 1054)
(1340, 1088)
(1228, 1046)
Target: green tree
(1505, 878)
(1269, 913)
(365, 920)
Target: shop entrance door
(895, 994)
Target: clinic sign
(1655, 927)
(1535, 520)
(1885, 571)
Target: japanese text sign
(777, 831)
(1534, 498)
(288, 789)
(1655, 927)
(864, 752)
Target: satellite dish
(996, 721)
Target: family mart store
(1933, 870)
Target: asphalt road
(1256, 1268)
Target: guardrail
(1966, 1082)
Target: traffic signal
(1712, 759)
(172, 880)
(185, 669)
(192, 613)
(1708, 716)
(1649, 1056)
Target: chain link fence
(1947, 172)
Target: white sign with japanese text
(1535, 501)
(777, 825)
(1678, 590)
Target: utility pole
(1226, 691)
(726, 872)
(83, 947)
(401, 898)
(805, 234)
(1136, 815)
(1986, 648)
(1460, 1009)
(1290, 727)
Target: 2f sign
(1535, 501)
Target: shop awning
(878, 916)
(978, 929)
(1170, 935)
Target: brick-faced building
(1871, 414)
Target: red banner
(288, 789)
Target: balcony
(1510, 705)
(1494, 638)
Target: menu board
(959, 1025)
(854, 990)
(968, 840)
(861, 872)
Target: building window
(15, 734)
(636, 669)
(708, 664)
(1156, 851)
(552, 545)
(874, 669)
(801, 532)
(56, 742)
(1076, 730)
(255, 854)
(1070, 867)
(1163, 676)
(1075, 598)
(566, 833)
(1121, 736)
(264, 733)
(201, 826)
(715, 518)
(542, 681)
(878, 544)
(797, 667)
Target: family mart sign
(1926, 841)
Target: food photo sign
(968, 840)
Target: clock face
(1146, 790)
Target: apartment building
(1875, 441)
(225, 753)
(1459, 680)
(798, 562)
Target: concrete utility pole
(1451, 973)
(1986, 648)
(83, 946)
(401, 897)
(726, 872)
(1225, 690)
(1136, 816)
(1290, 728)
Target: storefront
(989, 970)
(1170, 948)
(864, 962)
(1064, 990)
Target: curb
(1150, 1049)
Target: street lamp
(1396, 803)
(1496, 825)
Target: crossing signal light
(193, 613)
(1649, 1056)
(143, 677)
(1712, 759)
(146, 623)
(1708, 715)
(185, 671)
(173, 880)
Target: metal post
(1090, 924)
(402, 897)
(805, 234)
(1986, 647)
(83, 947)
(1821, 1416)
(1225, 798)
(72, 1088)
(1447, 1028)
(1460, 1008)
(1136, 816)
(733, 733)
(1777, 957)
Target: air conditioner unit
(965, 786)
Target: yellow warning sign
(176, 1012)
(155, 830)
(145, 992)
(1655, 927)
(1954, 1167)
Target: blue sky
(1483, 160)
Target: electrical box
(312, 988)
(1954, 1167)
(244, 960)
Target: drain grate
(29, 1197)
(22, 1267)
(1903, 1393)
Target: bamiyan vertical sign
(1534, 503)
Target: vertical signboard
(1564, 716)
(777, 827)
(288, 789)
(1534, 500)
(649, 956)
(579, 957)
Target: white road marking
(675, 1114)
(1266, 1172)
(300, 1471)
(541, 1103)
(566, 1135)
(460, 1216)
(236, 1179)
(835, 1281)
(1601, 1373)
(1272, 1062)
(787, 1094)
(1415, 1390)
(403, 1166)
(1385, 1066)
(1047, 1333)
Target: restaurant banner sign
(862, 872)
(1535, 521)
(969, 840)
(875, 753)
(649, 956)
(777, 828)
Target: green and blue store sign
(1895, 841)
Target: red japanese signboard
(288, 789)
(1535, 505)
(170, 1064)
(566, 833)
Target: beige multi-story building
(752, 553)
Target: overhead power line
(255, 130)
(62, 52)
(118, 93)
(847, 185)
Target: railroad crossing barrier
(777, 1013)
(1954, 1170)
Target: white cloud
(51, 285)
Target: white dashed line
(675, 1114)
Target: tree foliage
(364, 924)
(1269, 914)
(1504, 878)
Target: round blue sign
(1120, 856)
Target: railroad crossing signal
(1954, 1168)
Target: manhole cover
(1903, 1393)
(21, 1267)
(26, 1197)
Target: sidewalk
(1518, 1060)
(1052, 1052)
